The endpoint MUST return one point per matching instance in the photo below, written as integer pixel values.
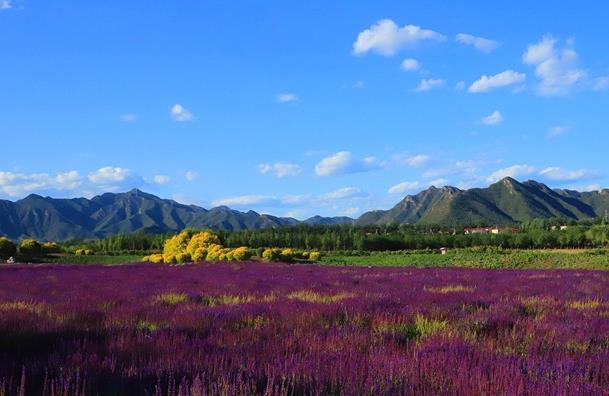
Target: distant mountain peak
(506, 201)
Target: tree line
(535, 234)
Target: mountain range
(505, 202)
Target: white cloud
(5, 4)
(403, 187)
(467, 167)
(70, 180)
(556, 173)
(359, 85)
(349, 212)
(556, 68)
(280, 169)
(246, 200)
(438, 182)
(106, 179)
(109, 174)
(17, 184)
(161, 179)
(344, 162)
(429, 84)
(481, 44)
(186, 200)
(411, 160)
(180, 114)
(591, 187)
(556, 130)
(495, 118)
(128, 117)
(512, 171)
(342, 193)
(191, 176)
(410, 64)
(287, 97)
(503, 79)
(601, 83)
(386, 38)
(290, 200)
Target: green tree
(7, 248)
(30, 247)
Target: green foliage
(94, 259)
(30, 247)
(7, 248)
(483, 257)
(50, 247)
(536, 234)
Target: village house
(481, 230)
(489, 230)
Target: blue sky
(300, 108)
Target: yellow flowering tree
(200, 243)
(176, 245)
(241, 253)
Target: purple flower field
(273, 329)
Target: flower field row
(275, 329)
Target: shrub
(213, 253)
(288, 254)
(30, 246)
(201, 240)
(182, 258)
(176, 245)
(79, 252)
(314, 256)
(7, 248)
(153, 258)
(89, 252)
(199, 255)
(50, 247)
(241, 253)
(270, 255)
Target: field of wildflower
(275, 329)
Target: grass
(422, 327)
(93, 259)
(491, 258)
(514, 259)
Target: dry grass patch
(234, 299)
(171, 298)
(28, 306)
(450, 289)
(314, 297)
(583, 305)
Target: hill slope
(47, 218)
(505, 202)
